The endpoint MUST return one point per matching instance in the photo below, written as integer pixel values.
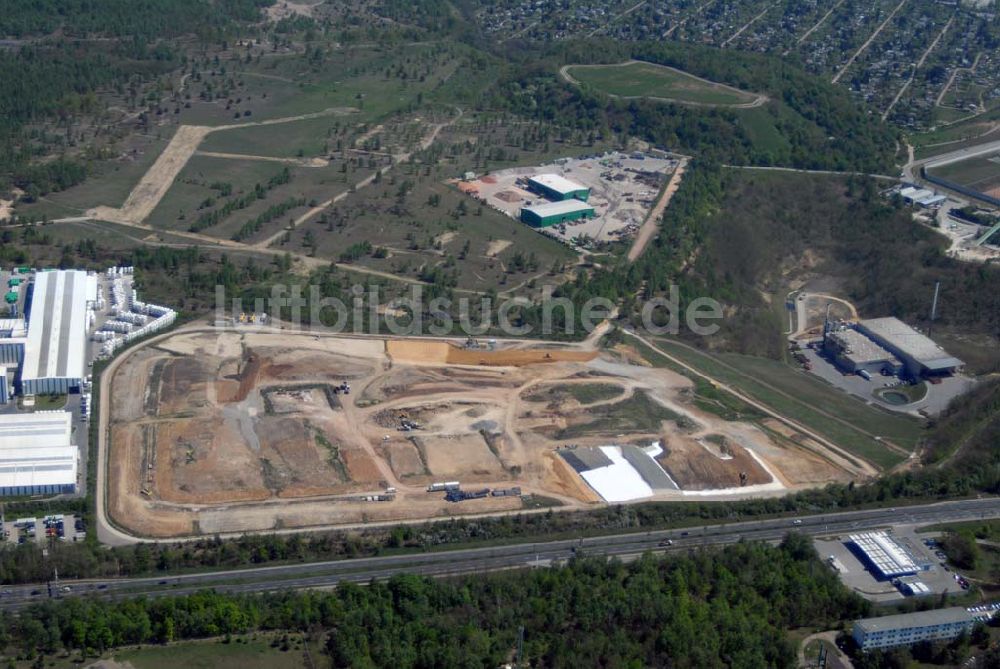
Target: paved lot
(937, 399)
(857, 575)
(39, 529)
(622, 191)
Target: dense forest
(145, 19)
(66, 52)
(734, 235)
(726, 607)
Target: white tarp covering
(619, 481)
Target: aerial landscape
(457, 333)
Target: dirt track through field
(160, 177)
(299, 162)
(396, 160)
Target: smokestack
(937, 289)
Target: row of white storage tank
(111, 330)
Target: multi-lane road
(521, 555)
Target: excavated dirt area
(249, 431)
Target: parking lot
(858, 575)
(938, 395)
(58, 527)
(623, 188)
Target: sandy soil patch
(436, 352)
(243, 431)
(697, 464)
(497, 246)
(464, 456)
(158, 180)
(404, 458)
(283, 9)
(445, 238)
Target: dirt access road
(397, 159)
(454, 393)
(652, 222)
(160, 177)
(847, 461)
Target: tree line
(711, 608)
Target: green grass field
(638, 79)
(259, 654)
(110, 181)
(980, 173)
(638, 413)
(809, 401)
(181, 206)
(306, 138)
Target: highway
(493, 558)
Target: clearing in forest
(637, 79)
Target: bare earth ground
(229, 431)
(652, 222)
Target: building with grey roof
(54, 354)
(918, 352)
(854, 352)
(37, 456)
(909, 628)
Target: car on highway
(666, 542)
(797, 521)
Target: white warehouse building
(37, 456)
(54, 355)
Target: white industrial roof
(860, 348)
(558, 183)
(57, 325)
(13, 325)
(902, 337)
(916, 194)
(889, 558)
(560, 207)
(55, 465)
(619, 481)
(28, 431)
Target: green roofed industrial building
(552, 213)
(555, 187)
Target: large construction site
(228, 431)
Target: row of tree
(726, 607)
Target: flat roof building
(551, 213)
(887, 557)
(57, 332)
(37, 456)
(855, 352)
(556, 187)
(909, 628)
(918, 352)
(12, 327)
